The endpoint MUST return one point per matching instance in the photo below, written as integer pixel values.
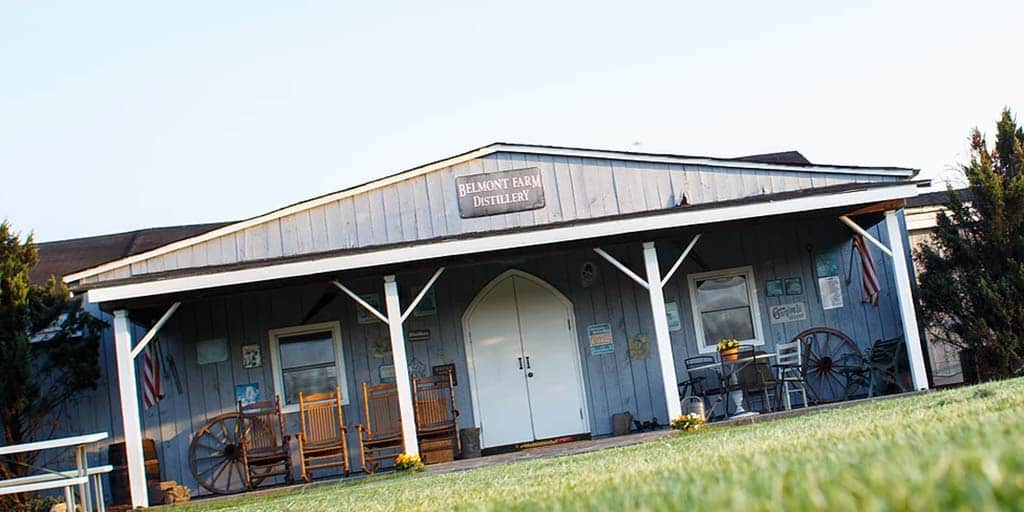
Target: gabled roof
(63, 257)
(776, 161)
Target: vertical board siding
(425, 207)
(614, 382)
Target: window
(309, 359)
(724, 305)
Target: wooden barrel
(120, 490)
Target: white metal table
(54, 479)
(737, 364)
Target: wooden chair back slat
(267, 412)
(321, 417)
(383, 416)
(434, 399)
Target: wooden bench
(57, 480)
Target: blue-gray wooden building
(569, 259)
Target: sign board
(492, 193)
(386, 373)
(247, 394)
(672, 315)
(212, 351)
(831, 292)
(784, 313)
(446, 369)
(601, 341)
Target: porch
(613, 353)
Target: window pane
(722, 293)
(727, 323)
(306, 350)
(310, 380)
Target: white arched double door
(525, 373)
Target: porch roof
(766, 205)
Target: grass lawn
(951, 450)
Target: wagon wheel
(215, 455)
(832, 364)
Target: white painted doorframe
(467, 341)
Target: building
(561, 285)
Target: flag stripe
(869, 274)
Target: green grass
(952, 450)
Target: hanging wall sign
(446, 369)
(831, 292)
(386, 373)
(826, 264)
(784, 313)
(247, 394)
(639, 347)
(427, 305)
(773, 288)
(794, 286)
(251, 356)
(601, 341)
(491, 193)
(672, 315)
(212, 351)
(418, 335)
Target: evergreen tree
(972, 285)
(38, 380)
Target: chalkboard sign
(492, 193)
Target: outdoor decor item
(215, 455)
(322, 441)
(831, 362)
(381, 437)
(620, 423)
(728, 349)
(688, 422)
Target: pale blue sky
(138, 114)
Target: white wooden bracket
(624, 269)
(359, 300)
(862, 232)
(153, 331)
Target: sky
(120, 116)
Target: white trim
(670, 219)
(755, 308)
(905, 297)
(131, 422)
(623, 268)
(679, 261)
(663, 338)
(275, 359)
(478, 153)
(153, 331)
(467, 340)
(359, 300)
(426, 288)
(400, 360)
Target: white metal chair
(789, 357)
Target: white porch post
(130, 408)
(661, 333)
(405, 406)
(906, 301)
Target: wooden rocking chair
(436, 417)
(263, 442)
(322, 440)
(380, 439)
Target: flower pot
(730, 354)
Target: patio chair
(322, 442)
(790, 372)
(882, 364)
(264, 445)
(380, 439)
(704, 382)
(756, 380)
(436, 418)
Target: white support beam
(359, 300)
(661, 334)
(906, 302)
(679, 261)
(625, 270)
(867, 236)
(130, 408)
(423, 293)
(153, 331)
(405, 406)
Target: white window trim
(275, 358)
(755, 308)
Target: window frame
(755, 306)
(275, 358)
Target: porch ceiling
(848, 197)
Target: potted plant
(729, 349)
(687, 422)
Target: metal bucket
(693, 404)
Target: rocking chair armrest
(361, 428)
(455, 412)
(693, 380)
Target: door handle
(527, 362)
(520, 362)
(529, 374)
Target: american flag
(869, 276)
(152, 391)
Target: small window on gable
(307, 359)
(724, 304)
